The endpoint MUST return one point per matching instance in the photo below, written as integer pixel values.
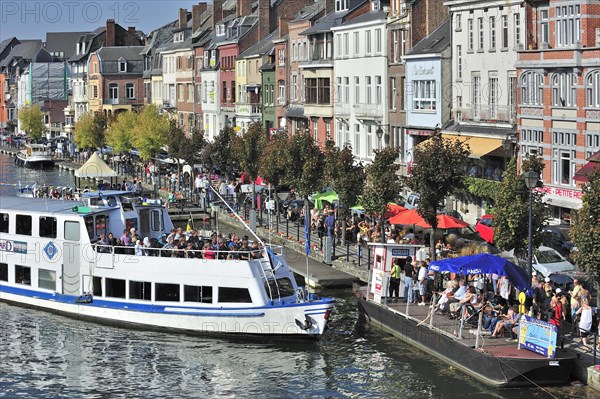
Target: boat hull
(269, 320)
(507, 369)
(34, 161)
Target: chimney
(283, 27)
(182, 18)
(264, 18)
(197, 11)
(131, 30)
(109, 40)
(243, 8)
(329, 6)
(217, 12)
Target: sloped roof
(63, 41)
(435, 43)
(160, 36)
(309, 11)
(95, 167)
(332, 19)
(26, 50)
(6, 42)
(110, 57)
(367, 17)
(261, 47)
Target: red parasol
(450, 222)
(393, 210)
(409, 217)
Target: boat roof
(44, 206)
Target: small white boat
(35, 156)
(50, 259)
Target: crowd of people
(180, 244)
(494, 295)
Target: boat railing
(180, 253)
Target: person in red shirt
(556, 314)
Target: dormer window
(341, 5)
(178, 37)
(375, 5)
(122, 65)
(83, 48)
(220, 30)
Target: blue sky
(28, 19)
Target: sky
(29, 19)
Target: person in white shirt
(422, 277)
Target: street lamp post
(379, 133)
(507, 145)
(531, 179)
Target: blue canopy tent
(484, 264)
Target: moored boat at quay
(458, 342)
(51, 257)
(35, 156)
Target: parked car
(547, 260)
(412, 202)
(485, 228)
(554, 237)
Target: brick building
(559, 95)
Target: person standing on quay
(395, 282)
(409, 272)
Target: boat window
(47, 227)
(140, 290)
(115, 288)
(23, 225)
(47, 279)
(100, 225)
(193, 293)
(127, 206)
(167, 292)
(4, 222)
(156, 220)
(72, 230)
(228, 294)
(286, 288)
(97, 281)
(22, 275)
(89, 225)
(3, 271)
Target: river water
(45, 355)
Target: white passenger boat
(50, 259)
(35, 156)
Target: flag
(306, 233)
(189, 226)
(274, 258)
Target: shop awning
(480, 146)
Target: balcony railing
(489, 113)
(363, 110)
(342, 109)
(121, 101)
(248, 109)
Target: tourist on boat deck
(147, 246)
(134, 236)
(208, 253)
(395, 282)
(255, 250)
(126, 238)
(102, 244)
(244, 250)
(138, 248)
(168, 248)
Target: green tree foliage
(90, 130)
(32, 121)
(120, 132)
(272, 162)
(222, 152)
(345, 177)
(586, 231)
(382, 183)
(305, 164)
(184, 147)
(437, 173)
(511, 218)
(150, 133)
(248, 149)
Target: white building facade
(209, 76)
(361, 90)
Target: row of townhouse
(509, 78)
